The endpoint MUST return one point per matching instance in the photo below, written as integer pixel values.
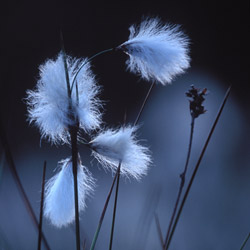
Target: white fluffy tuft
(157, 51)
(59, 205)
(48, 103)
(114, 146)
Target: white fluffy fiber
(48, 103)
(59, 205)
(157, 51)
(114, 146)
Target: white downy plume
(48, 104)
(113, 146)
(59, 205)
(156, 51)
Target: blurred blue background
(216, 214)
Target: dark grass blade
(197, 166)
(41, 208)
(144, 103)
(15, 175)
(158, 226)
(115, 205)
(182, 176)
(245, 242)
(103, 214)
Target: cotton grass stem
(73, 129)
(115, 205)
(245, 241)
(103, 214)
(92, 57)
(41, 208)
(144, 103)
(197, 166)
(74, 151)
(182, 183)
(15, 175)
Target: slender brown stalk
(115, 204)
(197, 166)
(15, 175)
(158, 226)
(41, 208)
(103, 214)
(183, 177)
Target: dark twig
(15, 175)
(245, 241)
(41, 208)
(197, 166)
(103, 214)
(158, 226)
(115, 204)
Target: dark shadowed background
(216, 215)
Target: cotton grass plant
(65, 104)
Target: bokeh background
(216, 214)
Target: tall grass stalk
(73, 130)
(197, 166)
(118, 169)
(18, 182)
(116, 175)
(115, 204)
(103, 214)
(182, 183)
(41, 208)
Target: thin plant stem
(245, 241)
(74, 151)
(65, 67)
(92, 57)
(41, 208)
(103, 214)
(197, 166)
(144, 103)
(73, 130)
(110, 192)
(15, 175)
(115, 205)
(158, 226)
(182, 183)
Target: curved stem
(92, 57)
(115, 204)
(182, 176)
(144, 103)
(197, 166)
